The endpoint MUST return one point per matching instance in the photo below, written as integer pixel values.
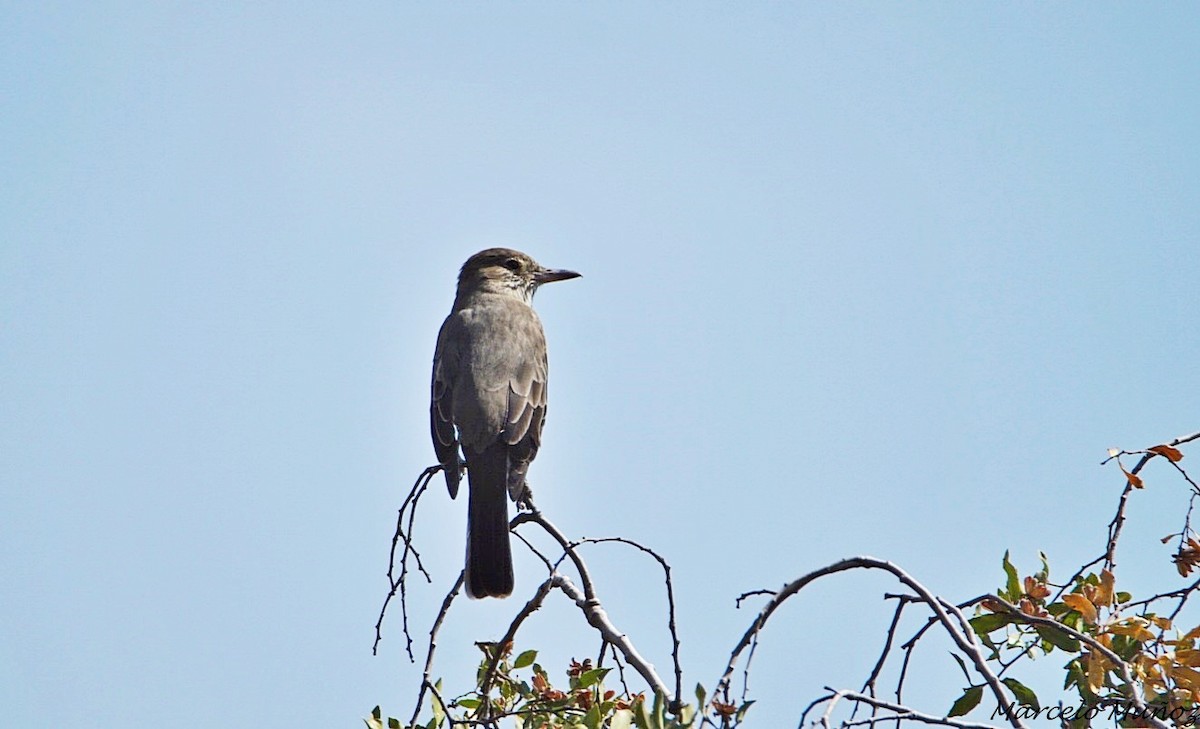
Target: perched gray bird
(489, 397)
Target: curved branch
(535, 515)
(596, 617)
(666, 567)
(586, 601)
(967, 643)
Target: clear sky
(858, 278)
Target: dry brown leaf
(1134, 479)
(1171, 454)
(723, 709)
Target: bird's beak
(546, 275)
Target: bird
(488, 397)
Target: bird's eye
(512, 264)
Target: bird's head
(505, 271)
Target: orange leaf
(1081, 604)
(1134, 628)
(1187, 677)
(1188, 657)
(1104, 595)
(1134, 479)
(1096, 666)
(1171, 454)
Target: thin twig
(535, 515)
(901, 712)
(869, 684)
(409, 506)
(666, 567)
(531, 606)
(426, 675)
(742, 597)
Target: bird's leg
(525, 500)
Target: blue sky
(858, 278)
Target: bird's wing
(526, 411)
(441, 403)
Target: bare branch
(670, 607)
(426, 675)
(746, 595)
(966, 641)
(532, 606)
(869, 684)
(409, 507)
(1114, 527)
(535, 515)
(900, 712)
(596, 617)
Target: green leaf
(1012, 588)
(644, 717)
(960, 663)
(621, 719)
(393, 723)
(987, 640)
(592, 677)
(592, 719)
(1057, 638)
(1024, 694)
(525, 659)
(1123, 597)
(1043, 575)
(660, 711)
(1074, 674)
(970, 698)
(1125, 647)
(700, 695)
(374, 722)
(988, 622)
(741, 712)
(439, 711)
(687, 713)
(468, 703)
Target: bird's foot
(525, 500)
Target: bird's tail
(489, 554)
